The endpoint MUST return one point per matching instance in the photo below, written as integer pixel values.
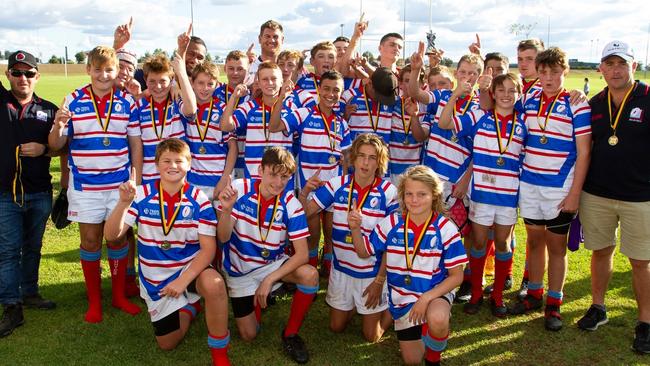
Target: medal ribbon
(620, 109)
(331, 137)
(103, 125)
(167, 227)
(418, 240)
(260, 219)
(406, 124)
(529, 85)
(498, 126)
(164, 119)
(464, 109)
(199, 122)
(374, 124)
(225, 91)
(267, 134)
(18, 180)
(365, 196)
(548, 110)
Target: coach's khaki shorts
(600, 218)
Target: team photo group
(395, 185)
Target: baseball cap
(618, 48)
(22, 57)
(125, 55)
(385, 84)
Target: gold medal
(202, 149)
(106, 141)
(265, 253)
(166, 245)
(407, 280)
(332, 159)
(406, 142)
(348, 239)
(501, 161)
(612, 140)
(454, 138)
(543, 140)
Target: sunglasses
(26, 73)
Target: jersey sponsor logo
(636, 115)
(41, 116)
(248, 210)
(151, 211)
(82, 109)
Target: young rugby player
(290, 62)
(356, 283)
(176, 244)
(322, 138)
(554, 169)
(498, 137)
(257, 218)
(104, 138)
(424, 256)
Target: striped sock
(313, 257)
(192, 309)
(554, 298)
(93, 279)
(536, 290)
(433, 346)
(117, 261)
(302, 300)
(219, 349)
(327, 261)
(467, 274)
(503, 261)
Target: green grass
(62, 337)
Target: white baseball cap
(620, 49)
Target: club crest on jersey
(118, 107)
(374, 202)
(518, 130)
(636, 115)
(278, 216)
(41, 116)
(187, 212)
(560, 108)
(214, 117)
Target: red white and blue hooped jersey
(531, 86)
(172, 128)
(449, 159)
(315, 144)
(494, 184)
(441, 249)
(248, 117)
(242, 254)
(403, 155)
(360, 121)
(551, 164)
(381, 202)
(220, 93)
(96, 167)
(207, 168)
(196, 216)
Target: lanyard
(159, 135)
(167, 226)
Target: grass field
(61, 337)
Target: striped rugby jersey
(448, 158)
(245, 251)
(360, 121)
(220, 93)
(172, 128)
(315, 143)
(248, 117)
(441, 248)
(551, 164)
(159, 264)
(492, 183)
(403, 155)
(94, 166)
(207, 167)
(380, 202)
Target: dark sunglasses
(26, 73)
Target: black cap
(22, 57)
(385, 84)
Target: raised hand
(354, 216)
(250, 53)
(228, 196)
(410, 106)
(62, 116)
(463, 88)
(475, 47)
(184, 40)
(485, 80)
(178, 64)
(240, 91)
(417, 58)
(435, 57)
(127, 189)
(122, 34)
(360, 27)
(287, 88)
(133, 87)
(314, 182)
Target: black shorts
(414, 333)
(559, 225)
(171, 322)
(242, 306)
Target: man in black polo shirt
(25, 189)
(617, 187)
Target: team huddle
(414, 177)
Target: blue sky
(582, 28)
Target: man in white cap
(617, 188)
